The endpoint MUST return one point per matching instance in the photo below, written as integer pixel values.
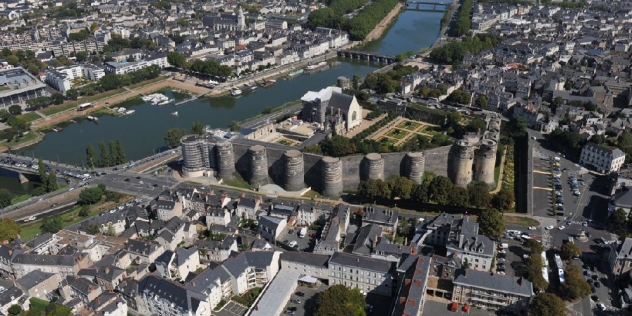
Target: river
(142, 132)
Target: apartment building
(366, 274)
(492, 291)
(18, 86)
(306, 263)
(412, 287)
(620, 258)
(64, 265)
(159, 60)
(602, 159)
(477, 250)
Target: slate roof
(46, 260)
(367, 236)
(309, 259)
(82, 285)
(379, 215)
(137, 246)
(340, 101)
(109, 273)
(625, 249)
(9, 295)
(171, 292)
(33, 278)
(39, 240)
(165, 258)
(360, 262)
(411, 293)
(247, 202)
(128, 287)
(623, 199)
(182, 254)
(204, 281)
(494, 282)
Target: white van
(557, 158)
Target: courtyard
(401, 130)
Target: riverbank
(381, 27)
(112, 100)
(29, 139)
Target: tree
(617, 220)
(234, 126)
(197, 128)
(41, 170)
(340, 300)
(94, 27)
(110, 82)
(574, 285)
(439, 189)
(337, 146)
(478, 195)
(121, 156)
(57, 98)
(15, 109)
(52, 224)
(466, 264)
(481, 102)
(503, 200)
(458, 197)
(517, 127)
(176, 59)
(14, 310)
(420, 192)
(55, 309)
(91, 156)
(9, 229)
(113, 153)
(81, 57)
(5, 198)
(491, 223)
(72, 94)
(173, 136)
(368, 189)
(104, 154)
(90, 195)
(51, 183)
(84, 211)
(460, 96)
(401, 187)
(547, 304)
(569, 250)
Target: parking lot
(514, 260)
(232, 309)
(291, 234)
(308, 300)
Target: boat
(316, 66)
(121, 110)
(57, 129)
(296, 73)
(268, 83)
(115, 109)
(128, 112)
(248, 88)
(163, 102)
(235, 92)
(175, 113)
(91, 118)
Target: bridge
(374, 57)
(417, 5)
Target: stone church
(333, 109)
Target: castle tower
(196, 156)
(332, 176)
(415, 166)
(460, 162)
(294, 170)
(485, 161)
(373, 167)
(225, 160)
(258, 165)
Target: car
(40, 199)
(561, 227)
(595, 298)
(70, 189)
(502, 251)
(289, 312)
(569, 223)
(32, 218)
(597, 284)
(296, 301)
(501, 255)
(301, 294)
(54, 205)
(137, 178)
(532, 228)
(585, 224)
(126, 180)
(501, 260)
(293, 244)
(601, 306)
(549, 227)
(292, 308)
(286, 242)
(113, 210)
(501, 265)
(593, 289)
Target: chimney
(10, 252)
(107, 270)
(407, 281)
(520, 281)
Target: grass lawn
(30, 116)
(26, 138)
(286, 142)
(147, 82)
(409, 125)
(312, 194)
(248, 298)
(519, 220)
(397, 133)
(20, 198)
(239, 183)
(72, 104)
(29, 231)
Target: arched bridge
(378, 58)
(417, 5)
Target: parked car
(296, 301)
(301, 294)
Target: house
(109, 277)
(306, 263)
(622, 199)
(81, 288)
(9, 297)
(247, 208)
(385, 218)
(163, 297)
(366, 274)
(64, 265)
(218, 251)
(270, 227)
(142, 251)
(602, 159)
(620, 258)
(477, 250)
(442, 272)
(492, 291)
(312, 213)
(412, 288)
(39, 284)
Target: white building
(359, 272)
(123, 68)
(58, 80)
(602, 159)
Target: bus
(84, 106)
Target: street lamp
(57, 159)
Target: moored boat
(236, 92)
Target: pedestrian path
(542, 172)
(541, 188)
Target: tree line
(383, 83)
(109, 155)
(360, 25)
(207, 67)
(453, 52)
(463, 22)
(18, 125)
